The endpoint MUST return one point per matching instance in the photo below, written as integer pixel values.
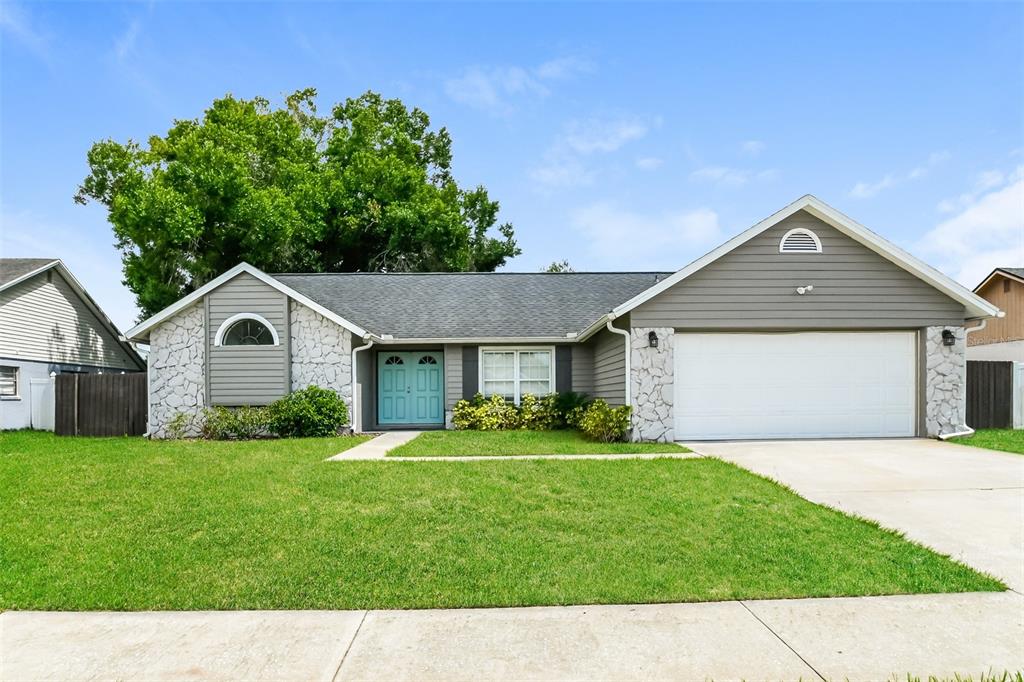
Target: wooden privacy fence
(990, 394)
(100, 404)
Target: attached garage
(795, 385)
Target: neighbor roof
(472, 305)
(15, 269)
(1013, 273)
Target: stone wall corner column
(177, 367)
(945, 402)
(652, 384)
(321, 353)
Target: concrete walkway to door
(962, 501)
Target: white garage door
(801, 385)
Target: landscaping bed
(130, 524)
(510, 443)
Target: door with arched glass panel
(410, 387)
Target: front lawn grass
(1007, 440)
(128, 524)
(505, 443)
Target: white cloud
(495, 88)
(983, 182)
(563, 67)
(595, 135)
(124, 46)
(620, 239)
(986, 233)
(731, 177)
(752, 147)
(16, 22)
(564, 163)
(866, 190)
(649, 163)
(24, 234)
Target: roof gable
(1016, 274)
(16, 271)
(976, 307)
(141, 330)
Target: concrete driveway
(962, 501)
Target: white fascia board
(139, 331)
(598, 325)
(385, 341)
(974, 304)
(29, 275)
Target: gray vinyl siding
(452, 375)
(367, 378)
(583, 368)
(247, 375)
(609, 367)
(754, 287)
(44, 319)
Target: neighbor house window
(511, 373)
(8, 382)
(246, 329)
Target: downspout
(625, 335)
(968, 430)
(357, 412)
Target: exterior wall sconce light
(948, 338)
(806, 289)
(652, 340)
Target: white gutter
(968, 431)
(356, 419)
(625, 335)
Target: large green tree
(369, 187)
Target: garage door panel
(820, 384)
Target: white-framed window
(246, 329)
(512, 372)
(9, 382)
(800, 240)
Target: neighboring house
(1002, 338)
(805, 325)
(50, 325)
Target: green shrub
(241, 423)
(308, 412)
(570, 406)
(604, 423)
(539, 414)
(486, 414)
(177, 428)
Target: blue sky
(632, 136)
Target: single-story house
(1002, 338)
(50, 325)
(805, 325)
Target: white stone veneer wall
(321, 353)
(652, 384)
(177, 382)
(945, 404)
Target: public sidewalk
(863, 638)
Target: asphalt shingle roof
(13, 268)
(1016, 272)
(472, 305)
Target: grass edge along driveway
(520, 442)
(128, 524)
(1004, 440)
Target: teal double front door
(410, 387)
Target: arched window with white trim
(800, 240)
(246, 329)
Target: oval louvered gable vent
(800, 241)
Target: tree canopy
(368, 188)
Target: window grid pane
(512, 374)
(9, 381)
